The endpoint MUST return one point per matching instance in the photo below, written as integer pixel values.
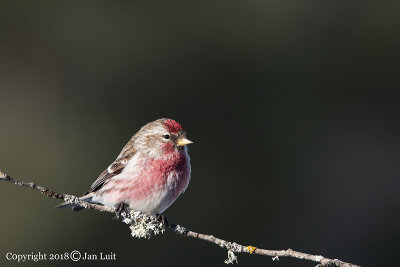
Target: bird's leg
(122, 207)
(161, 218)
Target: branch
(232, 247)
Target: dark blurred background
(292, 106)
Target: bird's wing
(101, 180)
(115, 168)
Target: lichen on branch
(143, 225)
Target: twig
(232, 247)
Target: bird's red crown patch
(173, 126)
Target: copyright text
(74, 255)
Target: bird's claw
(121, 208)
(162, 219)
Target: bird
(150, 173)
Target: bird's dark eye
(166, 136)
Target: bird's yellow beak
(183, 141)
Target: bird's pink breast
(151, 185)
(157, 176)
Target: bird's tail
(75, 207)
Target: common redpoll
(149, 174)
